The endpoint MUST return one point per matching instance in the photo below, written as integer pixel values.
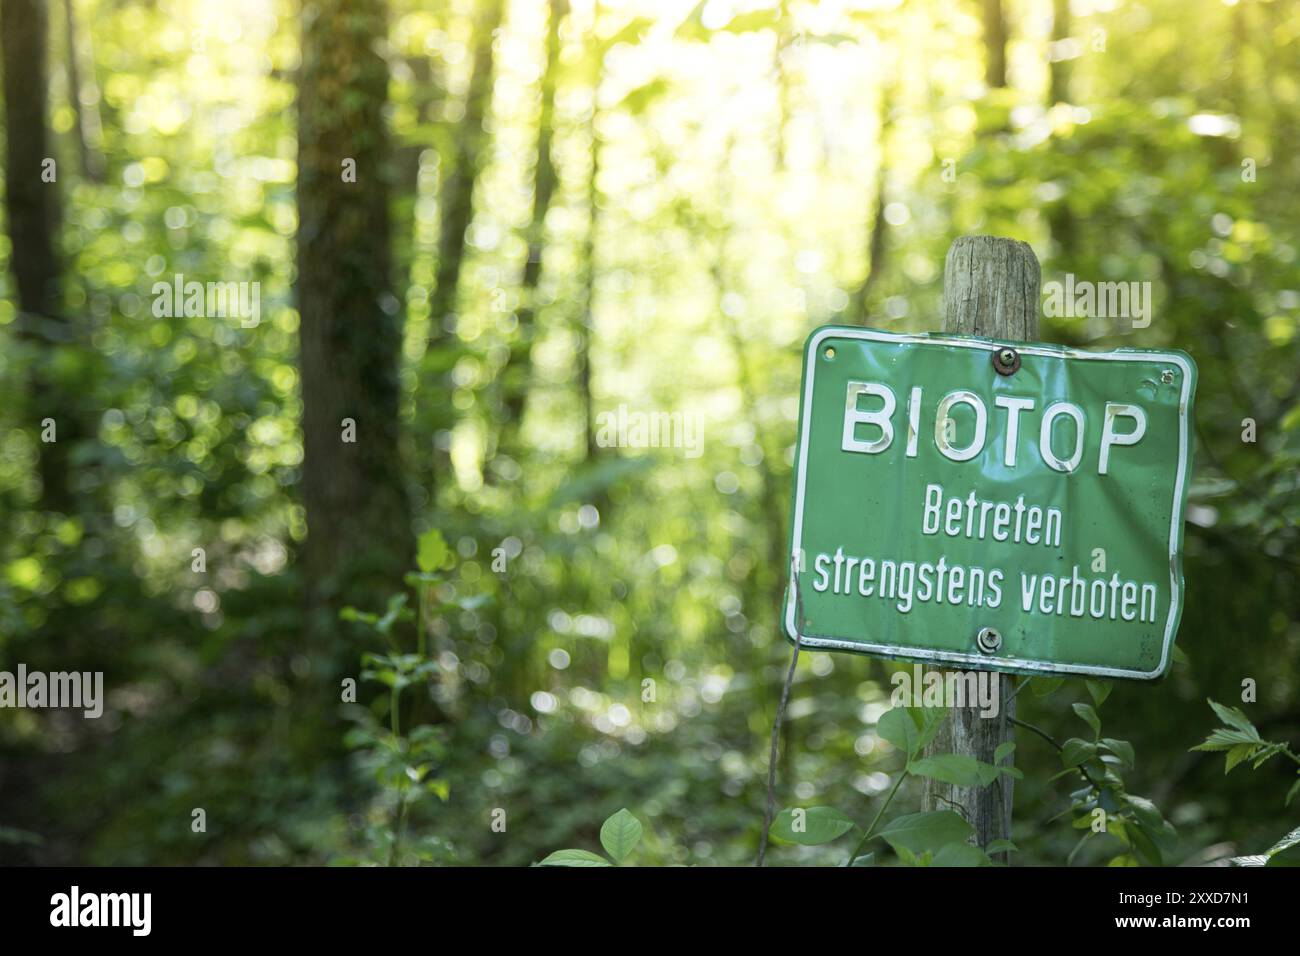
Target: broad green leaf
(1089, 716)
(1149, 818)
(959, 770)
(1099, 690)
(1076, 751)
(898, 727)
(1121, 749)
(812, 826)
(574, 858)
(918, 832)
(1001, 846)
(1004, 750)
(432, 551)
(930, 720)
(620, 834)
(961, 854)
(1145, 847)
(908, 858)
(1046, 686)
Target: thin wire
(780, 711)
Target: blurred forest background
(557, 208)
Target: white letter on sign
(854, 416)
(1108, 435)
(1014, 407)
(941, 425)
(1045, 436)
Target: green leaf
(1046, 686)
(959, 770)
(1001, 846)
(1121, 749)
(1236, 755)
(1076, 751)
(574, 858)
(620, 834)
(1286, 851)
(1266, 754)
(1090, 717)
(812, 826)
(439, 788)
(930, 830)
(866, 859)
(930, 720)
(1099, 690)
(1004, 750)
(1145, 846)
(432, 551)
(1232, 717)
(1290, 794)
(961, 854)
(1221, 738)
(898, 727)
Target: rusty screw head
(1006, 360)
(988, 640)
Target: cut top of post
(991, 286)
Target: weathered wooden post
(991, 287)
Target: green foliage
(745, 189)
(1239, 741)
(403, 765)
(919, 833)
(1124, 825)
(812, 826)
(619, 835)
(933, 838)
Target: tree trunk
(85, 124)
(1059, 91)
(995, 44)
(1060, 220)
(456, 210)
(358, 526)
(33, 212)
(587, 321)
(514, 377)
(990, 288)
(876, 247)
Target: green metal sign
(994, 505)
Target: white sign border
(989, 661)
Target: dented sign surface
(1028, 522)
